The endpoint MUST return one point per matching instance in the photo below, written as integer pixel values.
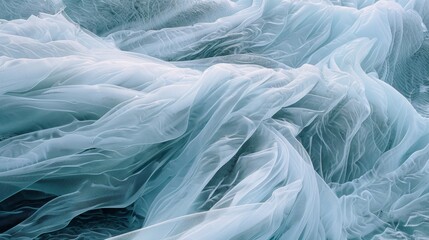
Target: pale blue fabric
(206, 119)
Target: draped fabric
(214, 119)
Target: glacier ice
(206, 119)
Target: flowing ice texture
(214, 119)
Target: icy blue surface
(214, 119)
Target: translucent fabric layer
(201, 119)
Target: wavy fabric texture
(204, 119)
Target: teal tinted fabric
(203, 119)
